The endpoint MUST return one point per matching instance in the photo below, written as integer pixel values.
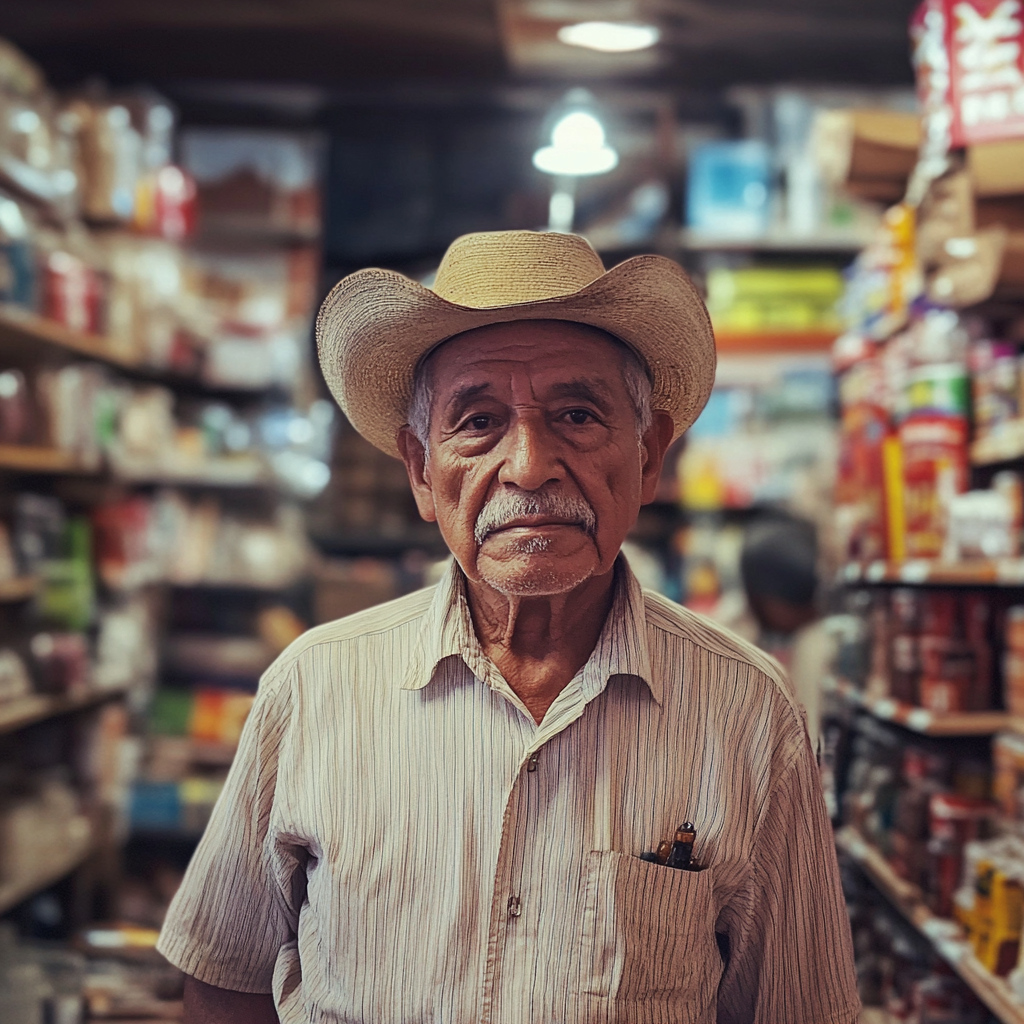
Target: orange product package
(935, 468)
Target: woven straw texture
(376, 325)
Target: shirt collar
(447, 631)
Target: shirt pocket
(648, 941)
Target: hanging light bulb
(609, 36)
(578, 148)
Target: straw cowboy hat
(377, 325)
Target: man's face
(535, 471)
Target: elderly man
(533, 794)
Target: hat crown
(503, 268)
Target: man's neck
(539, 643)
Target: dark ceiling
(465, 44)
(431, 108)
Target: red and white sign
(986, 47)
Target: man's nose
(529, 454)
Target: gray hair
(634, 377)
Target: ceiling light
(577, 149)
(609, 36)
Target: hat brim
(376, 325)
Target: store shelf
(1006, 445)
(21, 588)
(241, 586)
(24, 335)
(838, 242)
(62, 861)
(23, 332)
(24, 711)
(27, 458)
(730, 342)
(924, 721)
(996, 572)
(238, 472)
(945, 936)
(243, 471)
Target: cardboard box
(947, 211)
(969, 272)
(972, 248)
(997, 168)
(871, 153)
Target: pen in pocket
(676, 853)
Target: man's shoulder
(379, 621)
(761, 681)
(717, 641)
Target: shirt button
(531, 765)
(515, 906)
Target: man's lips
(534, 523)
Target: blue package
(729, 188)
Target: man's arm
(207, 1004)
(791, 955)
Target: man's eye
(579, 417)
(481, 422)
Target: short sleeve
(790, 954)
(232, 915)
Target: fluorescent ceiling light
(577, 149)
(609, 36)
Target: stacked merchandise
(159, 432)
(929, 515)
(896, 973)
(763, 300)
(766, 440)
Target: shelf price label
(886, 709)
(920, 719)
(876, 572)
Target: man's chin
(534, 573)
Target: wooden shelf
(996, 572)
(21, 332)
(945, 936)
(839, 242)
(21, 588)
(24, 711)
(924, 721)
(238, 471)
(730, 342)
(64, 861)
(27, 458)
(226, 473)
(25, 336)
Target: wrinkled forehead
(543, 345)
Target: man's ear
(654, 444)
(415, 459)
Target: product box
(994, 384)
(728, 188)
(935, 468)
(254, 182)
(218, 715)
(1008, 774)
(870, 153)
(997, 168)
(998, 916)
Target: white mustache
(503, 507)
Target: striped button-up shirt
(399, 841)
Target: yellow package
(999, 927)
